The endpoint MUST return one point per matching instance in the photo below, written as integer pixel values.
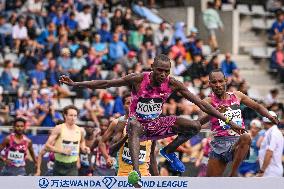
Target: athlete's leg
(215, 167)
(186, 129)
(240, 152)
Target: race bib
(234, 115)
(127, 158)
(16, 157)
(71, 145)
(149, 108)
(84, 158)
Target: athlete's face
(161, 70)
(104, 125)
(218, 83)
(71, 117)
(19, 127)
(89, 130)
(127, 103)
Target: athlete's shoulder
(175, 82)
(239, 94)
(134, 76)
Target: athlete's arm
(115, 146)
(153, 159)
(110, 130)
(39, 160)
(31, 150)
(51, 141)
(255, 106)
(127, 80)
(83, 147)
(3, 145)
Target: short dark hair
(19, 119)
(125, 95)
(70, 107)
(161, 58)
(214, 71)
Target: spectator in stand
(64, 61)
(71, 23)
(277, 27)
(161, 33)
(177, 49)
(116, 19)
(179, 32)
(250, 166)
(148, 54)
(212, 22)
(37, 11)
(106, 36)
(4, 109)
(37, 75)
(6, 76)
(271, 150)
(180, 65)
(48, 36)
(228, 66)
(117, 51)
(5, 34)
(277, 61)
(19, 33)
(103, 18)
(271, 97)
(148, 36)
(84, 18)
(100, 48)
(107, 104)
(164, 47)
(135, 38)
(195, 70)
(78, 63)
(128, 22)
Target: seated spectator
(5, 34)
(19, 33)
(84, 18)
(64, 61)
(131, 60)
(92, 109)
(179, 32)
(277, 61)
(71, 23)
(277, 27)
(180, 65)
(47, 117)
(48, 55)
(117, 51)
(62, 43)
(148, 36)
(197, 47)
(148, 54)
(107, 104)
(116, 19)
(48, 36)
(59, 19)
(195, 70)
(129, 23)
(135, 38)
(161, 33)
(177, 49)
(78, 63)
(100, 48)
(106, 36)
(164, 47)
(37, 11)
(6, 76)
(37, 75)
(103, 18)
(271, 97)
(228, 66)
(4, 109)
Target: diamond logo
(109, 182)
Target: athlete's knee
(245, 139)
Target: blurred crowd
(99, 39)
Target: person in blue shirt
(277, 27)
(250, 166)
(228, 66)
(37, 75)
(60, 18)
(106, 36)
(71, 23)
(107, 104)
(48, 35)
(117, 50)
(6, 76)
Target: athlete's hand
(86, 150)
(109, 161)
(275, 120)
(67, 151)
(237, 128)
(66, 80)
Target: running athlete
(50, 163)
(65, 141)
(119, 146)
(228, 145)
(16, 146)
(149, 91)
(86, 168)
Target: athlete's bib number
(16, 157)
(84, 159)
(73, 147)
(127, 158)
(235, 116)
(149, 108)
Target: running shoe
(175, 163)
(134, 178)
